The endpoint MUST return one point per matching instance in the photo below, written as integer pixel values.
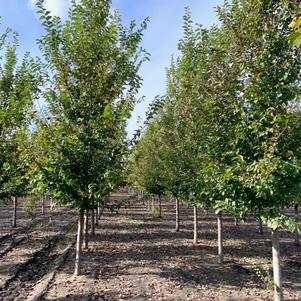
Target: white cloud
(56, 7)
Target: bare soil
(134, 256)
(28, 251)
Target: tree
(265, 165)
(19, 87)
(93, 62)
(145, 165)
(230, 127)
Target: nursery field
(135, 256)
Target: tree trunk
(278, 294)
(160, 207)
(51, 203)
(177, 216)
(15, 204)
(96, 215)
(297, 236)
(195, 225)
(220, 238)
(236, 222)
(79, 242)
(43, 204)
(260, 226)
(153, 204)
(98, 211)
(92, 222)
(101, 210)
(86, 228)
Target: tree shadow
(111, 296)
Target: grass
(135, 222)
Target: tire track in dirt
(29, 260)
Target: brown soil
(26, 254)
(136, 257)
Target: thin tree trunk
(101, 210)
(260, 226)
(160, 206)
(297, 236)
(96, 215)
(278, 294)
(98, 212)
(79, 242)
(177, 215)
(236, 222)
(86, 227)
(153, 204)
(43, 204)
(220, 238)
(92, 222)
(51, 203)
(15, 204)
(195, 225)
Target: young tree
(93, 62)
(19, 87)
(269, 167)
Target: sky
(160, 38)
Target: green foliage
(135, 222)
(228, 133)
(276, 220)
(263, 273)
(93, 62)
(19, 87)
(156, 212)
(29, 206)
(295, 37)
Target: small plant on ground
(29, 208)
(135, 222)
(156, 212)
(263, 273)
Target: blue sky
(160, 39)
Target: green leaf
(295, 38)
(107, 112)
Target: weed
(263, 273)
(135, 222)
(30, 206)
(156, 212)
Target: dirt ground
(134, 256)
(6, 211)
(28, 251)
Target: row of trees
(75, 148)
(227, 133)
